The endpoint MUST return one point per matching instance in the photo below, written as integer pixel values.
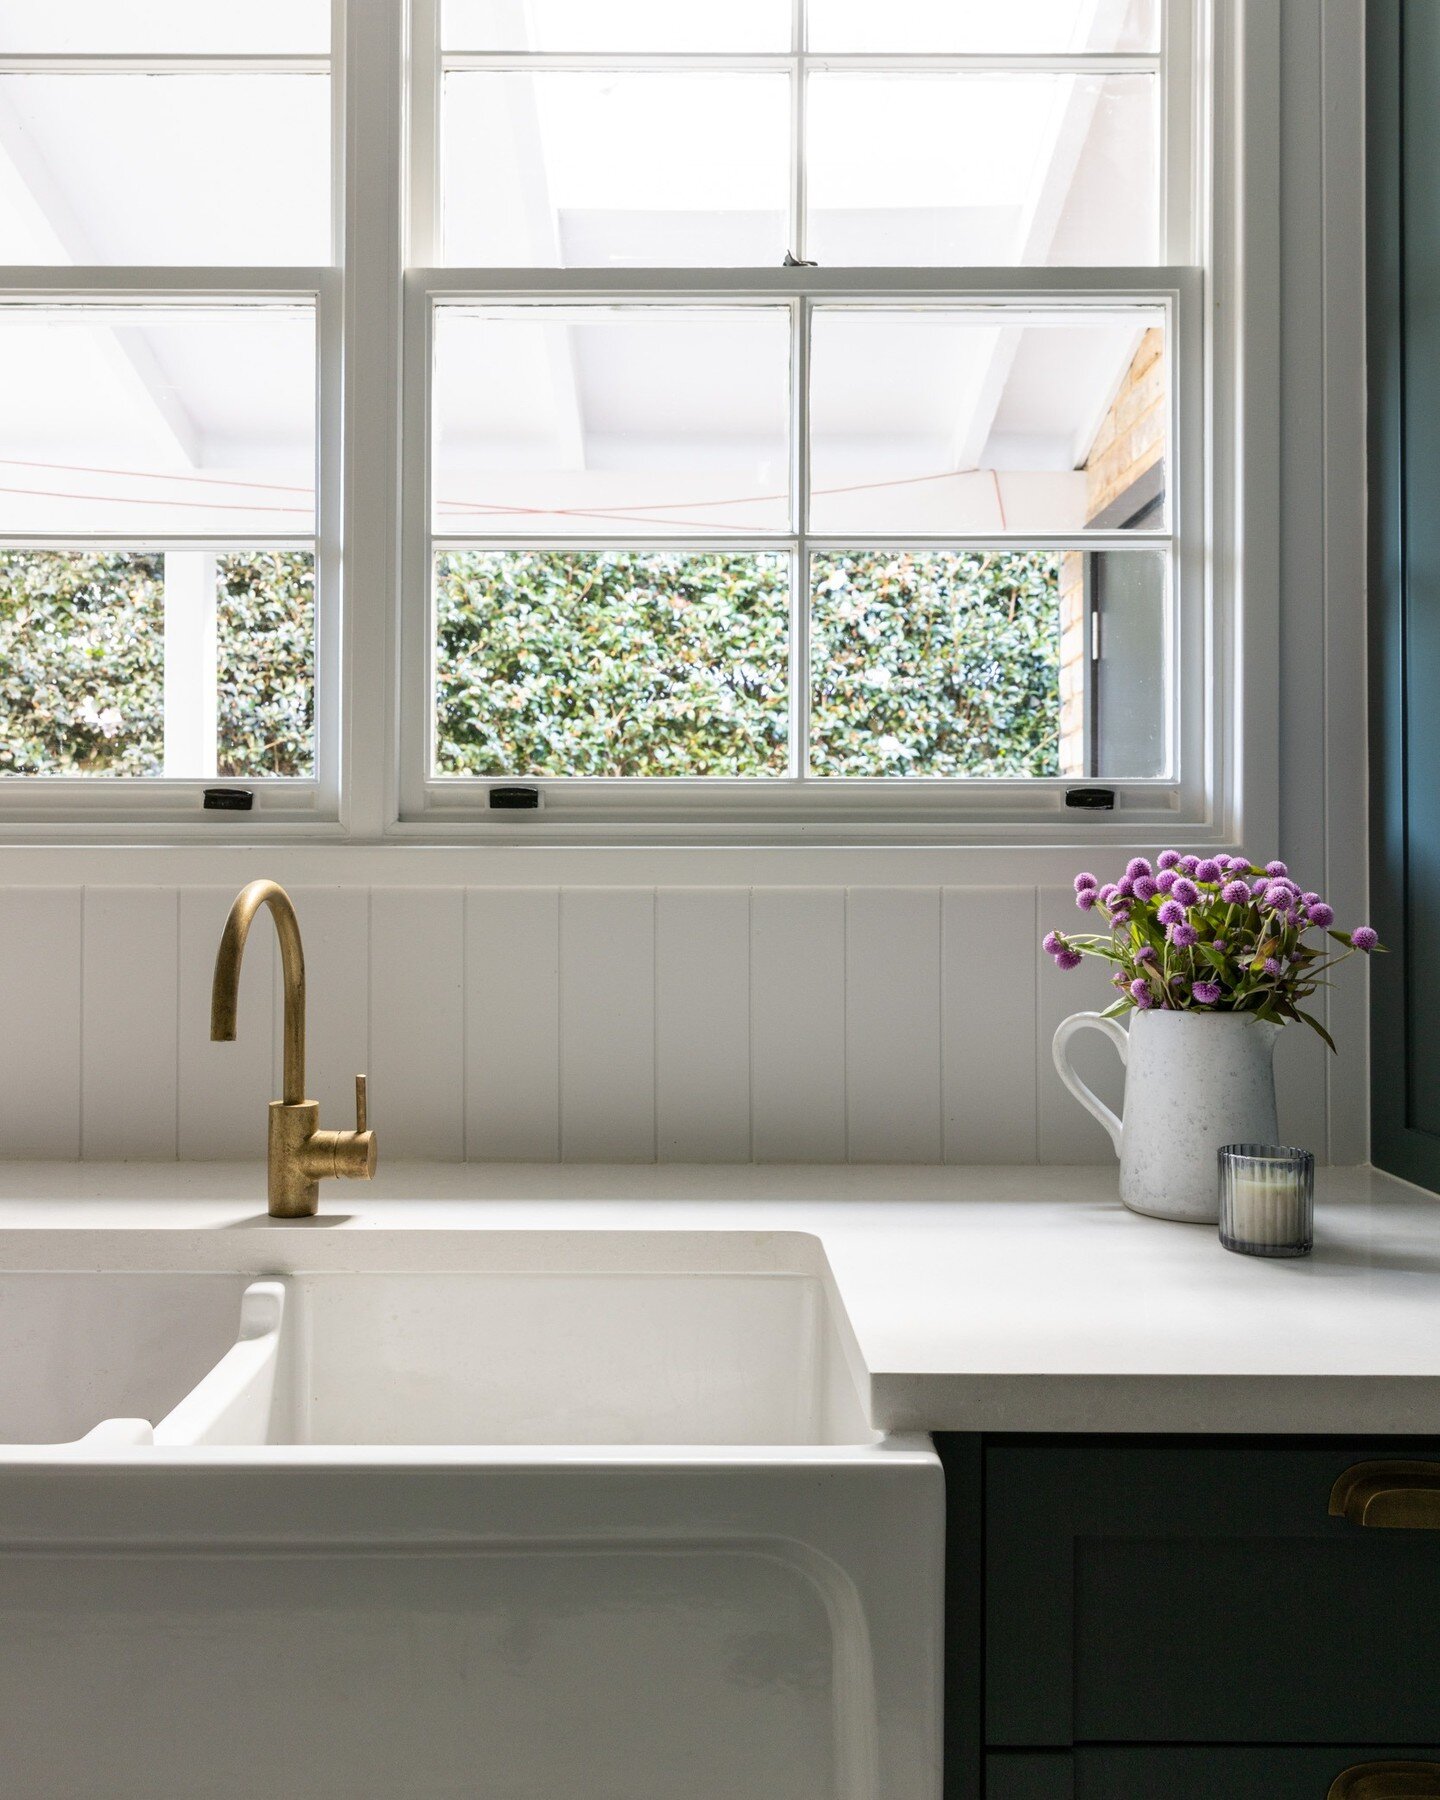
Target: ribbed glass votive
(1267, 1199)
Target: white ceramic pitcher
(1194, 1081)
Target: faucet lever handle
(361, 1108)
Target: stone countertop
(994, 1299)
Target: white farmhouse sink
(595, 1516)
(559, 1353)
(76, 1349)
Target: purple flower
(1259, 888)
(1145, 888)
(1085, 881)
(1309, 899)
(1171, 913)
(1219, 944)
(1139, 987)
(1183, 936)
(1272, 965)
(1235, 893)
(1237, 863)
(1185, 891)
(1144, 999)
(1189, 864)
(1120, 918)
(1206, 992)
(1166, 880)
(1085, 899)
(1322, 915)
(1208, 870)
(1138, 866)
(1052, 943)
(1108, 893)
(1125, 887)
(1068, 959)
(1167, 859)
(1365, 937)
(1276, 868)
(1145, 954)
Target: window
(168, 577)
(797, 394)
(781, 419)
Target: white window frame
(282, 806)
(1219, 285)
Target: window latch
(792, 261)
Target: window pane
(265, 663)
(183, 168)
(928, 663)
(171, 27)
(82, 663)
(980, 26)
(962, 168)
(1114, 662)
(148, 663)
(628, 25)
(121, 418)
(980, 420)
(611, 663)
(588, 421)
(570, 169)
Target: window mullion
(191, 675)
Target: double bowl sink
(595, 1514)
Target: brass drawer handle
(1398, 1495)
(1387, 1781)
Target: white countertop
(995, 1299)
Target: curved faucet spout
(225, 992)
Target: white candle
(1267, 1201)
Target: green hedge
(575, 663)
(674, 663)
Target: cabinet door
(1199, 1591)
(1222, 1772)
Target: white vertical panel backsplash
(223, 1089)
(607, 1024)
(987, 996)
(892, 1025)
(40, 939)
(702, 1024)
(797, 1024)
(787, 1024)
(512, 1024)
(128, 1047)
(417, 1032)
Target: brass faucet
(301, 1154)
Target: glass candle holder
(1267, 1199)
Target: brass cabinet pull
(1387, 1780)
(1397, 1495)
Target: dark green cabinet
(1178, 1772)
(1180, 1612)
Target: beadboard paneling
(797, 1024)
(616, 1024)
(512, 1024)
(702, 1024)
(129, 1003)
(892, 1025)
(988, 983)
(40, 985)
(607, 1024)
(417, 1035)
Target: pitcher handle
(1115, 1031)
